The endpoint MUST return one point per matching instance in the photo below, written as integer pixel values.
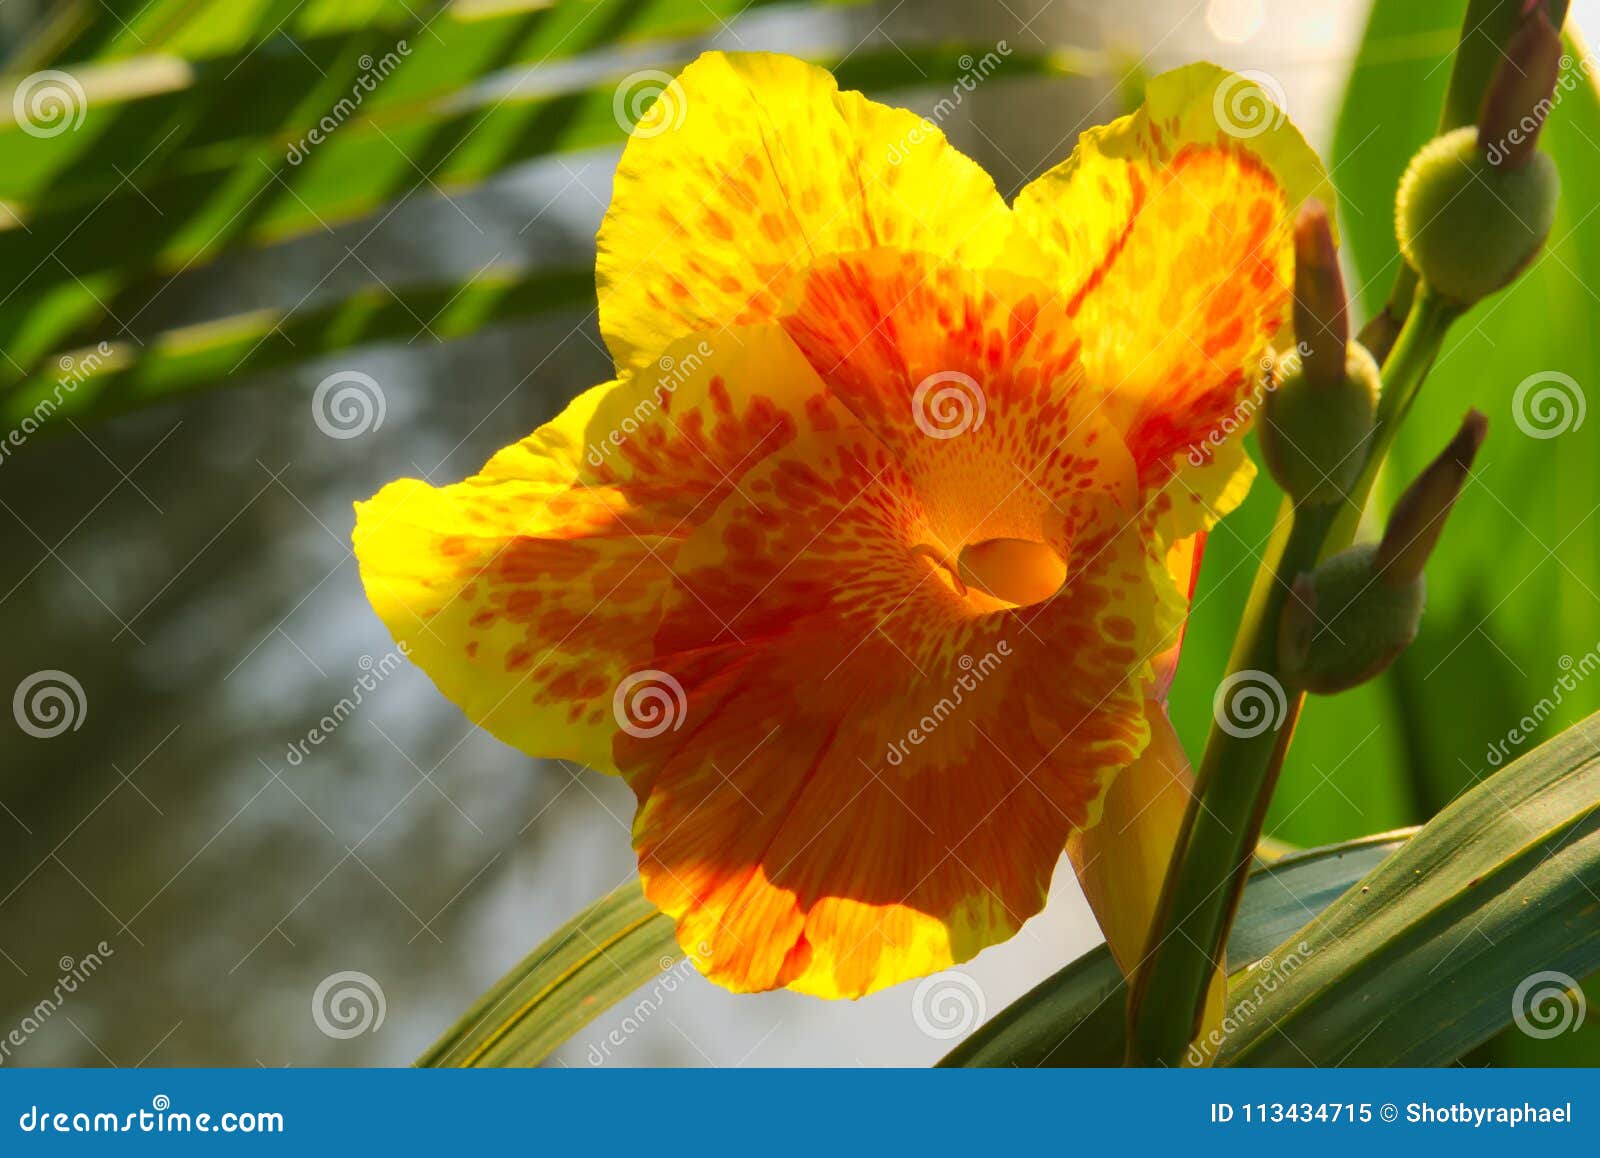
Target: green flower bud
(1348, 620)
(1468, 226)
(1314, 437)
(1343, 625)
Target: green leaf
(589, 964)
(210, 29)
(197, 206)
(109, 229)
(192, 113)
(94, 382)
(184, 149)
(1424, 961)
(1077, 1017)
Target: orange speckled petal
(974, 382)
(1170, 234)
(528, 591)
(876, 774)
(748, 168)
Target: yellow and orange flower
(859, 571)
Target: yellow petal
(1122, 861)
(530, 591)
(1170, 232)
(748, 168)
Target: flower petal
(974, 383)
(528, 591)
(1170, 232)
(1122, 862)
(875, 776)
(748, 168)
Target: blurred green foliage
(199, 148)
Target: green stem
(1212, 856)
(1240, 766)
(1403, 373)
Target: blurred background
(183, 263)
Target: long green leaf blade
(1424, 961)
(589, 964)
(1077, 1017)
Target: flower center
(1017, 571)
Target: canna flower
(860, 570)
